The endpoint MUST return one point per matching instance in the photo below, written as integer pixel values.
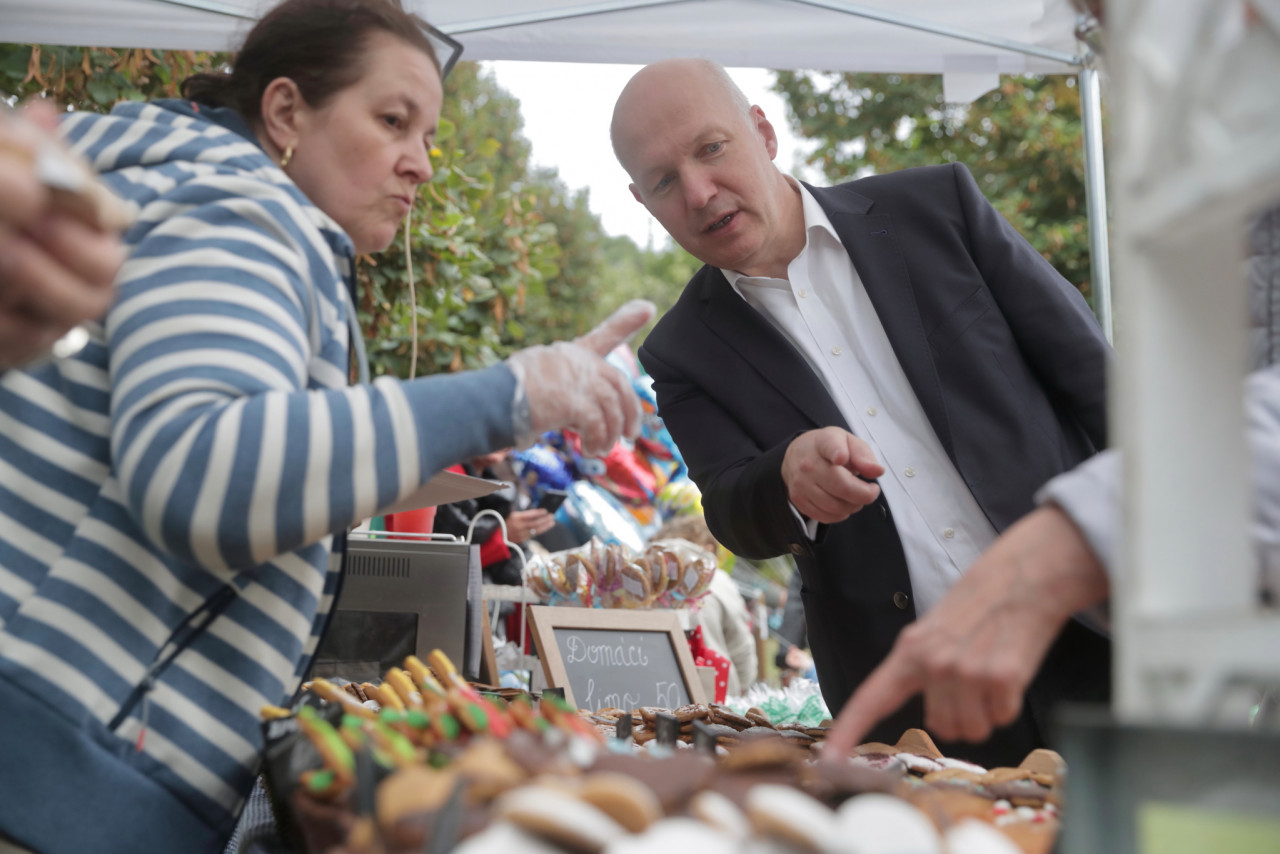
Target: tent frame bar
(213, 7)
(840, 6)
(1095, 195)
(603, 8)
(943, 30)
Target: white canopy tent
(968, 42)
(762, 33)
(1177, 394)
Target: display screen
(361, 646)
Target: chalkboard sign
(605, 657)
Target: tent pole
(212, 6)
(942, 30)
(1095, 187)
(604, 8)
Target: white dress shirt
(824, 311)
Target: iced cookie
(793, 816)
(675, 836)
(971, 836)
(918, 741)
(721, 813)
(883, 824)
(885, 762)
(1047, 767)
(625, 799)
(559, 817)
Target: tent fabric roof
(758, 33)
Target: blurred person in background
(723, 615)
(500, 565)
(793, 637)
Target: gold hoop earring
(288, 155)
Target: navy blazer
(1009, 366)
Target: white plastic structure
(1195, 116)
(826, 34)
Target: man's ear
(282, 105)
(765, 129)
(635, 193)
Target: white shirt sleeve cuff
(1090, 495)
(810, 526)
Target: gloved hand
(569, 384)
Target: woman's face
(361, 156)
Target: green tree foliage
(480, 247)
(658, 275)
(85, 78)
(502, 255)
(582, 291)
(1021, 141)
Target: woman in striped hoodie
(169, 496)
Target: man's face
(704, 169)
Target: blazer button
(797, 549)
(901, 600)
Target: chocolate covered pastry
(365, 778)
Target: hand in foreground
(55, 270)
(569, 384)
(799, 660)
(823, 471)
(526, 524)
(975, 653)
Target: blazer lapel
(763, 347)
(872, 243)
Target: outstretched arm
(974, 655)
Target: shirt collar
(815, 222)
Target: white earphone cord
(413, 300)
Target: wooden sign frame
(489, 673)
(544, 620)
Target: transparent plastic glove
(569, 384)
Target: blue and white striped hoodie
(169, 495)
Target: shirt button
(901, 600)
(836, 351)
(949, 532)
(802, 293)
(909, 471)
(871, 410)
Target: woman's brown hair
(318, 44)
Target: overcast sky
(567, 107)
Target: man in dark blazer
(1001, 354)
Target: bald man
(875, 377)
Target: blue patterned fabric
(169, 495)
